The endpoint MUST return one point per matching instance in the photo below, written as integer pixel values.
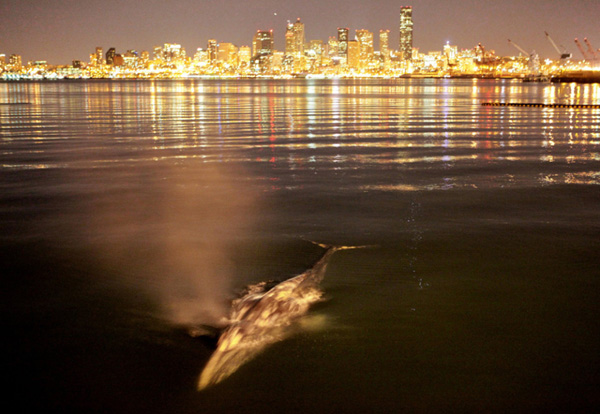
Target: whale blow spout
(264, 316)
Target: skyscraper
(213, 50)
(244, 54)
(227, 53)
(99, 56)
(384, 44)
(343, 43)
(294, 38)
(110, 56)
(290, 39)
(15, 62)
(353, 54)
(333, 47)
(172, 52)
(263, 42)
(406, 32)
(158, 54)
(365, 45)
(299, 38)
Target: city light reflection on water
(301, 124)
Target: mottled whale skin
(263, 316)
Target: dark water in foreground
(129, 210)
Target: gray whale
(264, 316)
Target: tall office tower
(294, 38)
(130, 58)
(332, 47)
(316, 51)
(406, 32)
(384, 44)
(353, 54)
(172, 52)
(145, 57)
(451, 53)
(262, 42)
(99, 56)
(290, 38)
(15, 62)
(201, 57)
(158, 56)
(244, 54)
(2, 60)
(343, 43)
(227, 53)
(299, 38)
(110, 56)
(365, 47)
(213, 50)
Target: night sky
(60, 31)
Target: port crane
(534, 59)
(581, 49)
(564, 55)
(591, 50)
(484, 59)
(590, 54)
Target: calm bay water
(130, 210)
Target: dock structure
(541, 105)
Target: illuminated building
(118, 60)
(353, 55)
(201, 57)
(227, 52)
(145, 57)
(110, 56)
(130, 59)
(332, 47)
(213, 50)
(276, 61)
(451, 53)
(317, 46)
(406, 32)
(158, 54)
(365, 45)
(2, 60)
(299, 38)
(99, 56)
(294, 41)
(315, 53)
(172, 52)
(244, 54)
(343, 43)
(290, 46)
(263, 42)
(384, 44)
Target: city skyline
(60, 31)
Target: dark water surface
(130, 210)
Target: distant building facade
(213, 50)
(353, 54)
(406, 32)
(110, 56)
(384, 44)
(262, 43)
(343, 43)
(365, 44)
